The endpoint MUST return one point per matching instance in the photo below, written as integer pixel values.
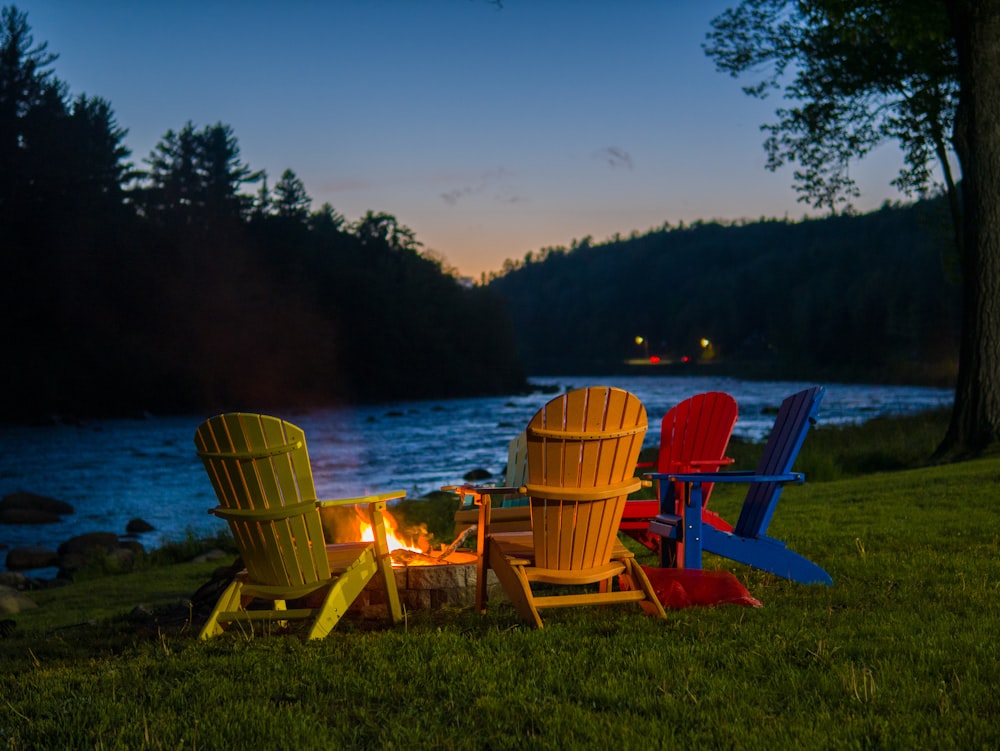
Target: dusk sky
(489, 131)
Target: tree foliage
(174, 290)
(854, 75)
(923, 73)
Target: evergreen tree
(290, 198)
(195, 178)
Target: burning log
(406, 557)
(445, 552)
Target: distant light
(639, 340)
(685, 359)
(654, 359)
(705, 343)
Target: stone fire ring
(448, 584)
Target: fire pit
(427, 579)
(424, 585)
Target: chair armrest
(723, 462)
(392, 494)
(479, 491)
(730, 476)
(689, 464)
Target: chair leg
(691, 550)
(482, 572)
(639, 580)
(228, 600)
(516, 586)
(343, 592)
(391, 590)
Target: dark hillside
(848, 296)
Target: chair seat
(343, 556)
(519, 545)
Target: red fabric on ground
(683, 588)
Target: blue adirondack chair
(748, 542)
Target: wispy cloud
(615, 157)
(346, 185)
(484, 183)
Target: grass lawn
(900, 653)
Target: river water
(112, 471)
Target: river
(112, 471)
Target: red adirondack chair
(693, 438)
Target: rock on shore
(31, 508)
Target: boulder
(79, 551)
(36, 502)
(138, 526)
(81, 544)
(474, 475)
(13, 579)
(121, 559)
(73, 553)
(35, 556)
(27, 516)
(12, 601)
(133, 546)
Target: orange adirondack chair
(694, 436)
(582, 450)
(259, 467)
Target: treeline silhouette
(171, 289)
(854, 297)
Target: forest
(170, 286)
(853, 297)
(185, 282)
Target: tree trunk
(975, 419)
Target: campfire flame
(417, 552)
(391, 535)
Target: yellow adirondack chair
(582, 451)
(259, 467)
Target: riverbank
(830, 453)
(934, 375)
(898, 653)
(115, 471)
